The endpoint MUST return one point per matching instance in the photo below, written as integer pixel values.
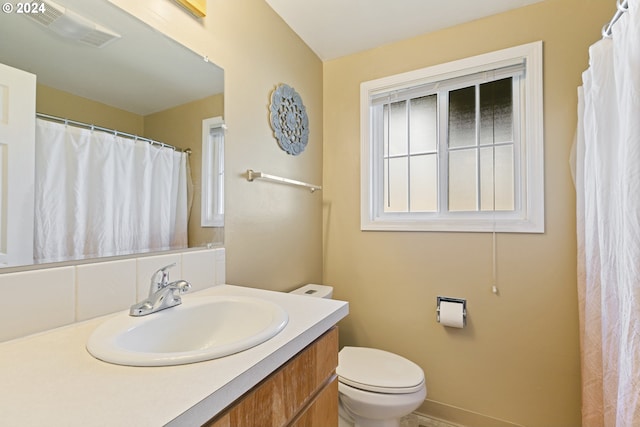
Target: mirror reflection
(100, 70)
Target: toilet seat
(378, 371)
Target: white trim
(17, 163)
(212, 201)
(530, 218)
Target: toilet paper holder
(454, 300)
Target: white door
(17, 157)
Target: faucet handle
(181, 286)
(160, 279)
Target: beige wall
(518, 358)
(273, 233)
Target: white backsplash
(38, 300)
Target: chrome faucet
(162, 294)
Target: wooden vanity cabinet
(302, 393)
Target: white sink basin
(201, 328)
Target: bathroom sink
(201, 328)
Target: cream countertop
(51, 379)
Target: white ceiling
(335, 28)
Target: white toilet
(376, 388)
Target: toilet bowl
(376, 388)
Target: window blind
(447, 82)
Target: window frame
(212, 192)
(529, 214)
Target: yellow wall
(518, 358)
(273, 232)
(63, 104)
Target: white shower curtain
(99, 194)
(608, 209)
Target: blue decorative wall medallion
(289, 119)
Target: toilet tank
(313, 290)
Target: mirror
(130, 78)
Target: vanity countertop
(51, 379)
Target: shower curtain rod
(113, 131)
(622, 7)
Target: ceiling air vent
(99, 37)
(51, 12)
(72, 25)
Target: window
(212, 209)
(456, 147)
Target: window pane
(462, 117)
(396, 185)
(462, 180)
(504, 179)
(423, 122)
(398, 133)
(385, 133)
(424, 183)
(496, 111)
(486, 179)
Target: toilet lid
(378, 371)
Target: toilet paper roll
(452, 314)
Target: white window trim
(530, 219)
(212, 199)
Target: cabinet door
(323, 411)
(294, 389)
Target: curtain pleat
(99, 194)
(608, 221)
